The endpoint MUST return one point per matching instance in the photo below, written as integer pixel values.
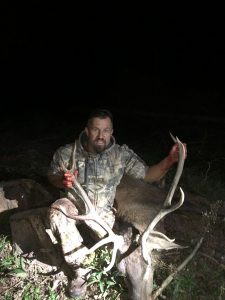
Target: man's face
(99, 132)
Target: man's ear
(86, 130)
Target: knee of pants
(64, 228)
(61, 213)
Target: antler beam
(167, 208)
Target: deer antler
(167, 208)
(91, 214)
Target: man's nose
(100, 134)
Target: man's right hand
(69, 178)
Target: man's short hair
(101, 114)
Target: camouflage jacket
(100, 174)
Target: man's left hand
(174, 153)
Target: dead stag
(140, 204)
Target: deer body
(138, 202)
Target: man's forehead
(101, 122)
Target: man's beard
(99, 147)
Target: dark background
(158, 69)
(164, 64)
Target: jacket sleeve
(134, 165)
(62, 154)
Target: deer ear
(159, 243)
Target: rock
(23, 194)
(29, 236)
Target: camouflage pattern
(99, 175)
(65, 230)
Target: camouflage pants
(66, 233)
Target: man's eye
(107, 131)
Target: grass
(200, 280)
(109, 285)
(19, 278)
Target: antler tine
(173, 138)
(177, 175)
(73, 166)
(117, 240)
(164, 211)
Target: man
(100, 165)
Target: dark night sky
(173, 59)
